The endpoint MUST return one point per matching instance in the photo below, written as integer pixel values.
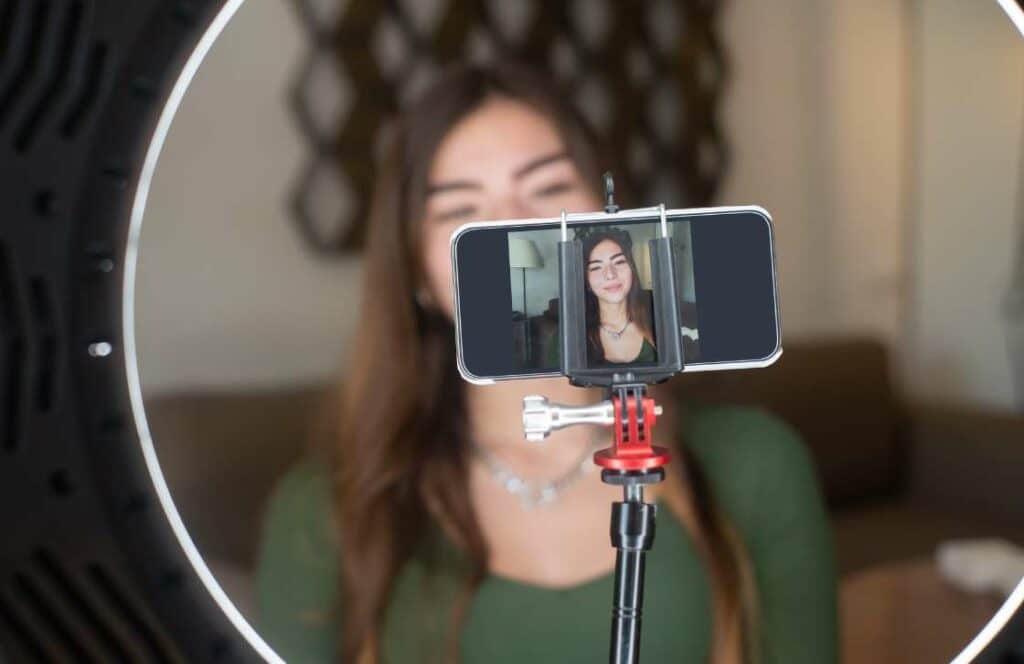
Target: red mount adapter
(635, 415)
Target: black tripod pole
(632, 534)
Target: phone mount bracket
(572, 325)
(609, 194)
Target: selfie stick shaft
(632, 534)
(631, 463)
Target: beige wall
(885, 137)
(970, 102)
(227, 294)
(817, 117)
(848, 120)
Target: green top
(553, 355)
(647, 354)
(762, 478)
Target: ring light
(97, 564)
(195, 59)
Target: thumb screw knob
(536, 417)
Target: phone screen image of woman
(618, 294)
(618, 310)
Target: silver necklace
(612, 333)
(533, 494)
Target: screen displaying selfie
(507, 292)
(618, 294)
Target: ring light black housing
(90, 567)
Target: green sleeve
(762, 475)
(297, 576)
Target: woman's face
(608, 272)
(504, 160)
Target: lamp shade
(523, 253)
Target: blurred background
(886, 139)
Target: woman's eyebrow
(534, 164)
(610, 258)
(454, 185)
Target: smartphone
(505, 281)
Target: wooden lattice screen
(649, 76)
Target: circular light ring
(990, 633)
(107, 562)
(984, 638)
(1014, 11)
(198, 619)
(188, 71)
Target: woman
(402, 545)
(618, 311)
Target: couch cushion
(968, 459)
(838, 395)
(221, 453)
(894, 531)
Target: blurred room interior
(886, 139)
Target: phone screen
(507, 292)
(617, 294)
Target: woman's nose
(610, 272)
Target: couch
(898, 477)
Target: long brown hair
(402, 411)
(638, 305)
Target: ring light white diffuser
(995, 625)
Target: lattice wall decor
(368, 57)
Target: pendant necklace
(533, 494)
(612, 333)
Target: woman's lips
(613, 288)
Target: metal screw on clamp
(541, 417)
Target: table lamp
(524, 255)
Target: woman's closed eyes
(461, 212)
(469, 212)
(554, 189)
(618, 261)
